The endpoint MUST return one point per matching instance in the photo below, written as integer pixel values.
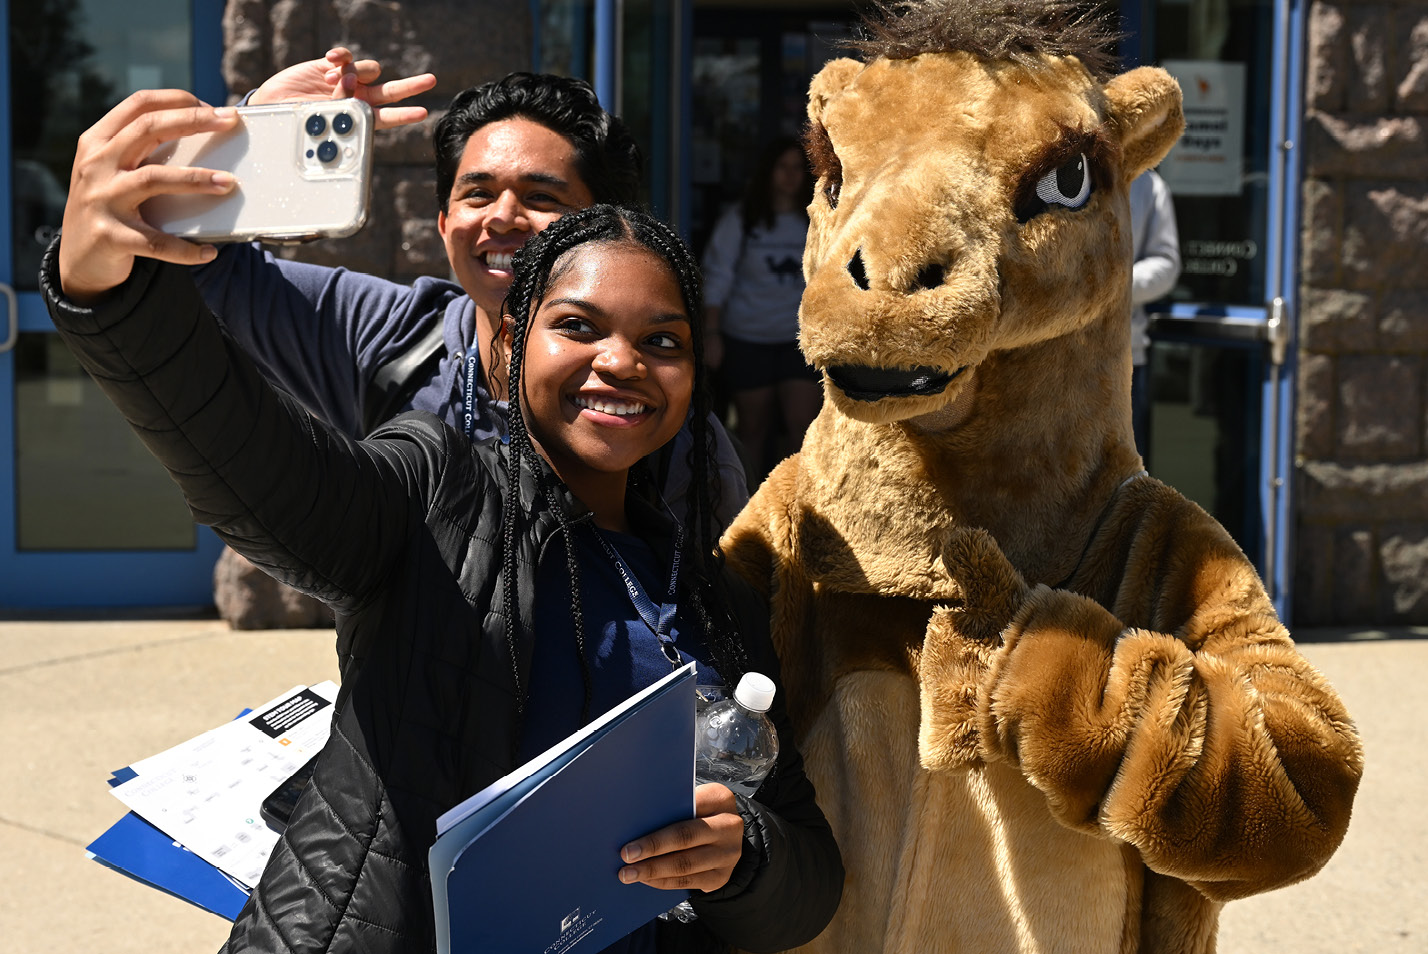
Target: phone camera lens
(342, 124)
(327, 151)
(315, 125)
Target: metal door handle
(1234, 328)
(13, 334)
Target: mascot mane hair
(1019, 31)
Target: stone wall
(1361, 550)
(463, 42)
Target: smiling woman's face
(609, 362)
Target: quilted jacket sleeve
(1156, 699)
(317, 510)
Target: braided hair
(535, 265)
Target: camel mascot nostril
(1045, 699)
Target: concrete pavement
(78, 699)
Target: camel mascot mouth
(862, 383)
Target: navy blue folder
(530, 865)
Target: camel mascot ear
(1144, 104)
(833, 78)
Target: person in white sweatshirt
(753, 281)
(1156, 268)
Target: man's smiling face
(515, 178)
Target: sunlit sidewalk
(78, 700)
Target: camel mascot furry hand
(1045, 699)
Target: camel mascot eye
(1069, 184)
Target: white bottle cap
(756, 692)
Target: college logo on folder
(541, 847)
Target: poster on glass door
(1209, 158)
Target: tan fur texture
(1046, 701)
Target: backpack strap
(396, 381)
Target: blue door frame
(667, 151)
(1271, 327)
(78, 579)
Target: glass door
(87, 518)
(1219, 365)
(631, 52)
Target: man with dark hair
(512, 156)
(606, 155)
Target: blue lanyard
(470, 366)
(659, 620)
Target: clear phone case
(303, 172)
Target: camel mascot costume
(1045, 699)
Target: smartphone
(303, 172)
(277, 809)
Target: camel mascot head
(968, 283)
(994, 220)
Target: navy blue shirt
(623, 653)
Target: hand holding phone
(301, 170)
(103, 229)
(336, 75)
(112, 177)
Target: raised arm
(319, 332)
(336, 75)
(317, 510)
(315, 331)
(111, 179)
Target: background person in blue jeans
(512, 156)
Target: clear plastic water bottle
(735, 744)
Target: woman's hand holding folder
(698, 854)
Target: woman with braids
(511, 156)
(480, 609)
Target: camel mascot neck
(1044, 699)
(968, 287)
